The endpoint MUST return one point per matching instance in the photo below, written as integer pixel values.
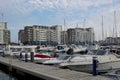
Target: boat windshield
(102, 52)
(91, 52)
(63, 57)
(97, 52)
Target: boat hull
(102, 67)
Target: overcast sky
(20, 13)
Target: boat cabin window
(105, 47)
(60, 47)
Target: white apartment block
(57, 33)
(47, 33)
(4, 33)
(1, 36)
(39, 33)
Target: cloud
(55, 11)
(68, 4)
(28, 5)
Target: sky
(84, 13)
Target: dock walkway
(49, 72)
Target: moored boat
(40, 58)
(60, 59)
(107, 61)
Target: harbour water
(5, 76)
(115, 74)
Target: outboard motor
(70, 51)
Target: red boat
(40, 58)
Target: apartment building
(4, 33)
(38, 34)
(64, 37)
(21, 37)
(77, 35)
(41, 34)
(28, 33)
(112, 40)
(56, 33)
(90, 34)
(71, 35)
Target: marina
(60, 40)
(47, 72)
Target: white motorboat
(15, 50)
(107, 61)
(60, 59)
(65, 48)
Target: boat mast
(102, 29)
(116, 35)
(64, 42)
(115, 24)
(77, 35)
(113, 32)
(84, 25)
